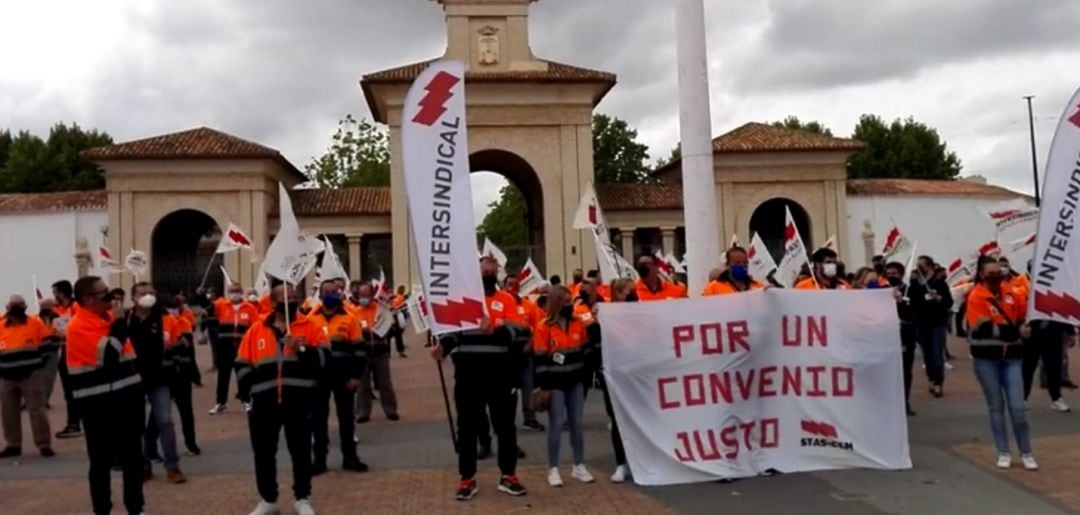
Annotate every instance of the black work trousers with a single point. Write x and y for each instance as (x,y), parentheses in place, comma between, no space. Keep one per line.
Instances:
(470,400)
(224,357)
(65,384)
(344,400)
(113,427)
(616,437)
(907,339)
(1044,345)
(265,423)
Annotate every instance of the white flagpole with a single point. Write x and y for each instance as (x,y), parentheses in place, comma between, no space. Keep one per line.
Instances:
(695,124)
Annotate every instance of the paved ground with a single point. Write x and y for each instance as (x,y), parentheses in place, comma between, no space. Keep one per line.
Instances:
(413,467)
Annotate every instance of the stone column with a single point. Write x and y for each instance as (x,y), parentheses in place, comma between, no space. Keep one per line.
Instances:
(354,254)
(868,241)
(668,236)
(82,257)
(626,235)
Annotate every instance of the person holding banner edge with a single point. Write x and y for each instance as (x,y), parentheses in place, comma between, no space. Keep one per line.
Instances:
(894,274)
(996,324)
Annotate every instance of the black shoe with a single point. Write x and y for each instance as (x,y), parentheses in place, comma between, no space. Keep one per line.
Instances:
(363,420)
(393,417)
(10,452)
(910,412)
(466,490)
(521,453)
(318,468)
(1069,384)
(355,465)
(70,432)
(194,450)
(534,426)
(484,452)
(47,452)
(512,486)
(937,391)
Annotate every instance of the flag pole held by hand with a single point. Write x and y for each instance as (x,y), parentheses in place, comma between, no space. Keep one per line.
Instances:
(446,397)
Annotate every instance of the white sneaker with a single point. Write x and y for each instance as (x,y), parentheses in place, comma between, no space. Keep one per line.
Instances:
(1029,462)
(303,507)
(1060,406)
(582,474)
(218,409)
(1004,461)
(246,406)
(620,474)
(554,479)
(949,366)
(266,508)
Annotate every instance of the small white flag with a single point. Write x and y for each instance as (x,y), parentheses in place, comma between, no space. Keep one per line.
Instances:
(761,262)
(136,263)
(491,251)
(233,239)
(794,253)
(588,213)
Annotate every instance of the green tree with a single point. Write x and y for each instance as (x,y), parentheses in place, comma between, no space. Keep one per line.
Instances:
(793,122)
(32,165)
(505,222)
(675,155)
(617,155)
(902,149)
(359,155)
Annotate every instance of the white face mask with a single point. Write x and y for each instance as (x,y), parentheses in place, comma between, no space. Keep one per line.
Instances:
(829,269)
(235,298)
(1004,270)
(174,312)
(147,301)
(253,298)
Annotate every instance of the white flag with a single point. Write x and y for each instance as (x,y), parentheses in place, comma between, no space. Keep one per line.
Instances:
(1021,244)
(136,263)
(761,262)
(676,265)
(292,254)
(898,247)
(1012,213)
(830,243)
(233,239)
(491,251)
(331,265)
(262,284)
(588,213)
(734,241)
(384,321)
(1055,274)
(435,152)
(105,258)
(418,312)
(529,279)
(794,253)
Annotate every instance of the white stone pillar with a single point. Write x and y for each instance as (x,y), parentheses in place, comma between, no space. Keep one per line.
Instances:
(626,235)
(354,254)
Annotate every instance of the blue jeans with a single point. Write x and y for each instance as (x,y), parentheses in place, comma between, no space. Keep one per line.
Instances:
(572,403)
(931,339)
(1002,383)
(160,400)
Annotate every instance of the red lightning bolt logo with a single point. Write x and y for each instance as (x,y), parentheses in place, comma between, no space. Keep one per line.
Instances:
(1075,118)
(1054,304)
(457,313)
(433,105)
(819,428)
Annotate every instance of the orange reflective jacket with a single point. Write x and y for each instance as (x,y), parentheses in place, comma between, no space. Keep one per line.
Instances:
(810,284)
(667,291)
(560,353)
(98,362)
(271,370)
(234,319)
(503,309)
(719,287)
(20,347)
(994,321)
(348,353)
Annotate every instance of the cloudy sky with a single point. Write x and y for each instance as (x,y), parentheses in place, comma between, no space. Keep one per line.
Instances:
(282,72)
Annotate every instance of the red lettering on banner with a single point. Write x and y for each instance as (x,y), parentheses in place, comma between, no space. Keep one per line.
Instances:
(710,454)
(680,335)
(727,439)
(765,382)
(755,434)
(792,381)
(747,429)
(745,387)
(737,333)
(684,456)
(715,329)
(689,389)
(664,403)
(720,386)
(815,374)
(770,433)
(847,374)
(712,336)
(816,331)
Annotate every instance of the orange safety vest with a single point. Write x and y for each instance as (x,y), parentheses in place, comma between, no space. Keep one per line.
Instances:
(20,347)
(268,369)
(984,307)
(560,355)
(810,284)
(667,291)
(343,330)
(234,319)
(719,287)
(98,362)
(503,309)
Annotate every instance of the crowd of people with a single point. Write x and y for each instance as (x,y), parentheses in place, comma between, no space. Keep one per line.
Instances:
(123,366)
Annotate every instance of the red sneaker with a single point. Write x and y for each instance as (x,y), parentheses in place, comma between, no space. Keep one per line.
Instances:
(466,490)
(512,486)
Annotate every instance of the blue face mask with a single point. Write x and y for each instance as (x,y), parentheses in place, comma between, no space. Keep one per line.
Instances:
(331,301)
(873,285)
(740,273)
(364,301)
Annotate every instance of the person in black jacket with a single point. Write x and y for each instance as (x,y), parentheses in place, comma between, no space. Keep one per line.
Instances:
(931,301)
(894,273)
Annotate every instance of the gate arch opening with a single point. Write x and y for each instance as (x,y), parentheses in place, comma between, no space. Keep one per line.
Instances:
(768,221)
(523,237)
(182,245)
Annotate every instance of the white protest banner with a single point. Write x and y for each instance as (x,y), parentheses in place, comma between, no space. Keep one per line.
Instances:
(761,262)
(1055,273)
(734,385)
(1012,213)
(292,254)
(529,279)
(794,253)
(435,151)
(233,239)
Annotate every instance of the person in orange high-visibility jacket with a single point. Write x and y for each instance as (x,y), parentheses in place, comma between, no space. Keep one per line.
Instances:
(347,362)
(825,273)
(736,278)
(105,385)
(280,363)
(529,315)
(21,375)
(996,324)
(650,286)
(1017,280)
(376,375)
(234,316)
(561,372)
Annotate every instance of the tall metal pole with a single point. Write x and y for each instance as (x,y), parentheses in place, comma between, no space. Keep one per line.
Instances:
(1034,159)
(695,127)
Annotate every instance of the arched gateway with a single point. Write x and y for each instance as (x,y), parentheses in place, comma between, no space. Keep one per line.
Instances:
(538,112)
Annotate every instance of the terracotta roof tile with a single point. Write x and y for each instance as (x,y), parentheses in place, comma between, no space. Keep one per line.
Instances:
(760,137)
(344,201)
(558,72)
(200,143)
(61,201)
(633,197)
(901,187)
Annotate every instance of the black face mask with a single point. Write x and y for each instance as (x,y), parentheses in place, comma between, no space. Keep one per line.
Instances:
(879,269)
(47,314)
(631,297)
(490,282)
(577,279)
(895,281)
(292,308)
(566,312)
(643,270)
(17,312)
